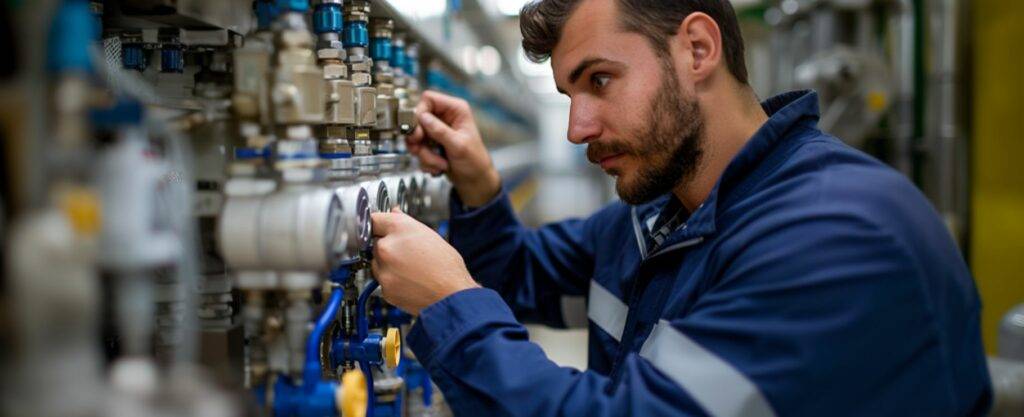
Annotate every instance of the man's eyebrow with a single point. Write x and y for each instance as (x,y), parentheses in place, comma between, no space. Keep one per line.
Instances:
(582,66)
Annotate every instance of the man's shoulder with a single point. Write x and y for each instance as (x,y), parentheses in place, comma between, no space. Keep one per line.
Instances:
(824,172)
(820,177)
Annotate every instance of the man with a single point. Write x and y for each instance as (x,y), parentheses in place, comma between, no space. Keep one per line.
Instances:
(755,266)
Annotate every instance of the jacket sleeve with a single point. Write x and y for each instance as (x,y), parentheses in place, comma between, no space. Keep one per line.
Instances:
(532,269)
(812,317)
(483,362)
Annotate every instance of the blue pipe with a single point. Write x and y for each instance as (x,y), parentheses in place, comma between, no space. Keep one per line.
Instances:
(362,322)
(415,376)
(343,271)
(371,398)
(362,330)
(311,372)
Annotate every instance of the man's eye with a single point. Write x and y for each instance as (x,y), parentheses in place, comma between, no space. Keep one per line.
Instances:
(599,81)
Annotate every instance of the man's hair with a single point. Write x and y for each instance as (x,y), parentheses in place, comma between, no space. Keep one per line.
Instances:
(542,21)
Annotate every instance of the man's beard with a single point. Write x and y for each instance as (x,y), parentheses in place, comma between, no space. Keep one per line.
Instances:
(669,146)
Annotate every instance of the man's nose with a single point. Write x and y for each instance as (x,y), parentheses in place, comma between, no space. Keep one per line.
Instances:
(583,123)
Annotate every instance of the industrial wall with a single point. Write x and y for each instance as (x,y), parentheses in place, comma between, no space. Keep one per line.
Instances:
(997,247)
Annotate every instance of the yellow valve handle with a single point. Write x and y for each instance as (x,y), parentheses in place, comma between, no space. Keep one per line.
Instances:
(392,348)
(351,398)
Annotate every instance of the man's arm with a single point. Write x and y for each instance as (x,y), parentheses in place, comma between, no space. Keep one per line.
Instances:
(816,315)
(532,269)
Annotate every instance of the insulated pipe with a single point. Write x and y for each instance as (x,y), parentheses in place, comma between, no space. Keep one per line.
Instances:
(312,372)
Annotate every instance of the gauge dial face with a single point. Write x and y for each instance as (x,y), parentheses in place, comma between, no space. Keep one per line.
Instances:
(414,197)
(334,234)
(403,197)
(383,199)
(362,213)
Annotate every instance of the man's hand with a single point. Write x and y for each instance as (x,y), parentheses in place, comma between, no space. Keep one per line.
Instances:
(449,122)
(413,264)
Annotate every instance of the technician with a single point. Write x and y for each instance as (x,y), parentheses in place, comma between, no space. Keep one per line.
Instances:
(755,266)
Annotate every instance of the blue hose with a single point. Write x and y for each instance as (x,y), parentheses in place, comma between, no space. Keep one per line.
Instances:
(312,371)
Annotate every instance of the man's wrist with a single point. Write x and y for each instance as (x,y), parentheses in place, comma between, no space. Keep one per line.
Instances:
(448,290)
(476,193)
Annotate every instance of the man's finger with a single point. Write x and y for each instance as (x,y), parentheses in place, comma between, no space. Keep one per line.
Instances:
(375,264)
(416,136)
(438,130)
(430,160)
(384,223)
(447,107)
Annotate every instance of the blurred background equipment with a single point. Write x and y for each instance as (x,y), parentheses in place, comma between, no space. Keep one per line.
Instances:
(187,192)
(186,184)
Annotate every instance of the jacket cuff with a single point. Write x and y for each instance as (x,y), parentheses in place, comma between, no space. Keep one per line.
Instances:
(460,209)
(472,226)
(441,325)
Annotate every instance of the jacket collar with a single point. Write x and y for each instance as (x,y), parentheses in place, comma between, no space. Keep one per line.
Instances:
(785,112)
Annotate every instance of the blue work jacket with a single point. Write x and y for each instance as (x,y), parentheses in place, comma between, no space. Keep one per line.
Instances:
(813,281)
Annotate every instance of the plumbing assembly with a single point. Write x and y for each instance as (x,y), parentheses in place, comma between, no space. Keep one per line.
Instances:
(212,171)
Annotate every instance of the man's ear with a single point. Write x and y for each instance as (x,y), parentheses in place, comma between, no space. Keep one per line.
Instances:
(699,41)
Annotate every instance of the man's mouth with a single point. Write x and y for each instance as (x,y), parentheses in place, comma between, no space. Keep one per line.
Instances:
(607,162)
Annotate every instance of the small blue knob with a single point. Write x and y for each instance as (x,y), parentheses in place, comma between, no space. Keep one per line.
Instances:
(300,6)
(132,57)
(356,35)
(327,18)
(398,57)
(125,112)
(172,59)
(266,12)
(381,49)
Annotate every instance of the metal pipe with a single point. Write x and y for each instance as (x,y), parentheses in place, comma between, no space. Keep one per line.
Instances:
(902,26)
(135,311)
(944,127)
